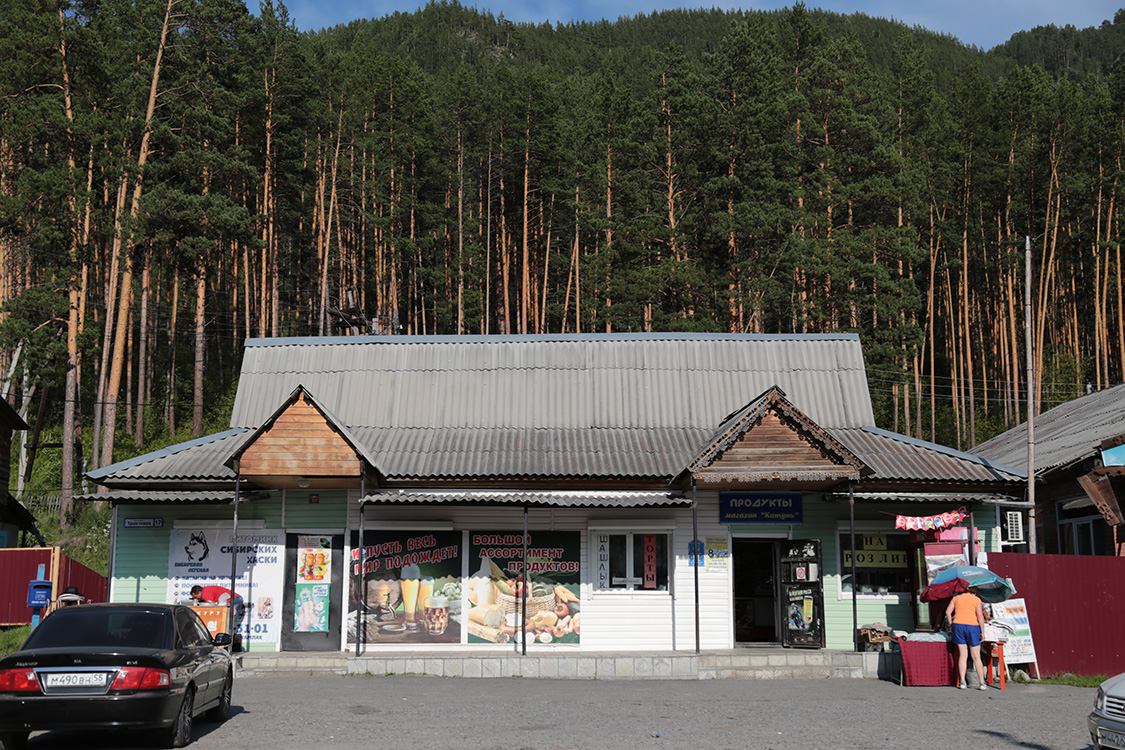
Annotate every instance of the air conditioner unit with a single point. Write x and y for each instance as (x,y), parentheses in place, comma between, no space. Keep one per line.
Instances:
(1015,526)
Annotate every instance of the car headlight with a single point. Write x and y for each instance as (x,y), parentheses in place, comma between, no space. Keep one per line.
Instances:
(1099,702)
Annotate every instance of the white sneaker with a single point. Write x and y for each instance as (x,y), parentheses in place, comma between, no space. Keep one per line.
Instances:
(983,686)
(962,686)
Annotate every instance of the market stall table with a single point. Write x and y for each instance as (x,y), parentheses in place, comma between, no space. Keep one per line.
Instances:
(926,663)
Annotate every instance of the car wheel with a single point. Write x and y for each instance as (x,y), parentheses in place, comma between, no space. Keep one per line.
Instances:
(221,712)
(13,741)
(179,734)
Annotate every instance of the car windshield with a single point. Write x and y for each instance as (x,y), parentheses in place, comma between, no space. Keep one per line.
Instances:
(91,627)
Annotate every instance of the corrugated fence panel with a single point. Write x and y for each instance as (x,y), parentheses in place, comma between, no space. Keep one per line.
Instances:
(17,567)
(90,584)
(1075,607)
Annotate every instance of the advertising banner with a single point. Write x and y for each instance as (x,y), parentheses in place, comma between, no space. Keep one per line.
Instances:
(550,611)
(407,587)
(314,576)
(203,557)
(1019,649)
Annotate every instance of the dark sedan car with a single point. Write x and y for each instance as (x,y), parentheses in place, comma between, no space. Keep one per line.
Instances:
(115,666)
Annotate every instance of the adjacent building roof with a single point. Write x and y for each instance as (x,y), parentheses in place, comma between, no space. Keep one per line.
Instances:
(1065,435)
(9,417)
(14,512)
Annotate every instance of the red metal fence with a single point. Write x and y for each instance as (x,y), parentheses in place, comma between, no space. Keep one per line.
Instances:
(1075,607)
(18,566)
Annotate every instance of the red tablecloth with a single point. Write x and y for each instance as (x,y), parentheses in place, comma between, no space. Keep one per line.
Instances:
(927,662)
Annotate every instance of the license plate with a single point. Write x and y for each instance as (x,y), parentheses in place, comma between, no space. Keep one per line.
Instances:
(76,679)
(1111,739)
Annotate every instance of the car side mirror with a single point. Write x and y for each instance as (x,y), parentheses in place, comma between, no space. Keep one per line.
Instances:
(223,639)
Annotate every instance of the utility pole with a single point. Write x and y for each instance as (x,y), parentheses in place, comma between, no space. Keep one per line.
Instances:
(1032,401)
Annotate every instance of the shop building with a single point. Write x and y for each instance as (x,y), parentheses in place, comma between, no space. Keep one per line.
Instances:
(593,492)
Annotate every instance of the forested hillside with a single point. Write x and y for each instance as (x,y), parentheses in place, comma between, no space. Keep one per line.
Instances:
(179,175)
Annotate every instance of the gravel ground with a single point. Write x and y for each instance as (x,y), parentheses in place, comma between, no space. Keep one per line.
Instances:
(420,713)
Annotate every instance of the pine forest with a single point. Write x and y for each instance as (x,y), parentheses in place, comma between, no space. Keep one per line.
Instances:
(177,176)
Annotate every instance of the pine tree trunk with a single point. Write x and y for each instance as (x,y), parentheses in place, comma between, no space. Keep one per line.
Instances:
(460,232)
(123,243)
(525,260)
(143,363)
(200,347)
(170,414)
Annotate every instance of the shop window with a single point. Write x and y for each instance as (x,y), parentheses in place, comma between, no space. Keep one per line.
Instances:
(631,560)
(882,563)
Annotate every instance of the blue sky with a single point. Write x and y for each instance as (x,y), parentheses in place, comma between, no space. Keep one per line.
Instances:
(984,23)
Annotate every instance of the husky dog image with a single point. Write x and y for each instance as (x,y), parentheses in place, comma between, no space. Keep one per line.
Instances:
(197,545)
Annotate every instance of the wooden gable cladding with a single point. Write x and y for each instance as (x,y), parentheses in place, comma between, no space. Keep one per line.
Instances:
(776,451)
(300,443)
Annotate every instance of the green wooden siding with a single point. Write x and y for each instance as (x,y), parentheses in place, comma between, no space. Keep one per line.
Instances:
(140,570)
(329,512)
(820,522)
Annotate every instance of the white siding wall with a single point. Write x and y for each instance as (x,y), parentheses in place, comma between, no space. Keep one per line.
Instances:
(716,618)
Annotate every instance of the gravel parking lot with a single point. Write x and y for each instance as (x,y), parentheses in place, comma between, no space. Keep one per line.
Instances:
(419,713)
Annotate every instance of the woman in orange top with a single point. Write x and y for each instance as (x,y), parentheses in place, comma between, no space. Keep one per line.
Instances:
(967,616)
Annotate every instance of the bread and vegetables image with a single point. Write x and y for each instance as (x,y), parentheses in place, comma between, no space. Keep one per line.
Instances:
(550,610)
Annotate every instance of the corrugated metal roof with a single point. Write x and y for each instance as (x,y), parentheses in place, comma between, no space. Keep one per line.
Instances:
(988,498)
(517,452)
(165,496)
(624,406)
(196,460)
(1068,433)
(565,382)
(585,499)
(891,456)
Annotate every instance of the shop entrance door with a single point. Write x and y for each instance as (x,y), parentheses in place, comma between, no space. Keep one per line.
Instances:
(754,562)
(311,614)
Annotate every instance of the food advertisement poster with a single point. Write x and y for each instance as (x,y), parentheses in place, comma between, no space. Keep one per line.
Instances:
(203,556)
(1019,649)
(405,587)
(498,583)
(314,577)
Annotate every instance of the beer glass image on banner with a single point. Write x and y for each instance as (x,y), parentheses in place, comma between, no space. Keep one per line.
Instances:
(406,587)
